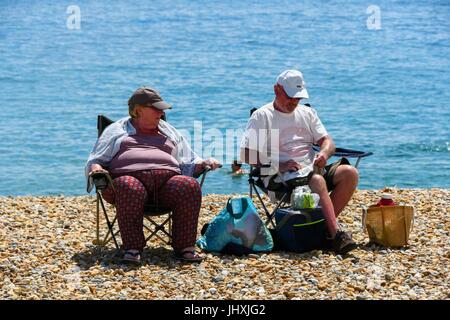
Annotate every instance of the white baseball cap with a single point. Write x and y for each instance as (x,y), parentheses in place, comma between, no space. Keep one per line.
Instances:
(293,84)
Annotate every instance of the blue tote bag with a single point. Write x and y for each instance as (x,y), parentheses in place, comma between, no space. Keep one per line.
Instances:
(237,229)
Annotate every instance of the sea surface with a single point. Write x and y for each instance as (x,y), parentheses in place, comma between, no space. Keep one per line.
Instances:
(379,85)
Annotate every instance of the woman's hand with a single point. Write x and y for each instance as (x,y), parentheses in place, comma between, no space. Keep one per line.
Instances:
(212,163)
(96,168)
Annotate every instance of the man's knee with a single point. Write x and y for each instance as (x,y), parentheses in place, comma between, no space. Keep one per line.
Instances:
(317,183)
(346,173)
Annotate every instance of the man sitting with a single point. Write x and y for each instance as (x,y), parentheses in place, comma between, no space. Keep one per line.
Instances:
(282,133)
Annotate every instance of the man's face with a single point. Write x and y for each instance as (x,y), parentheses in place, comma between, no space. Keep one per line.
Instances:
(283,102)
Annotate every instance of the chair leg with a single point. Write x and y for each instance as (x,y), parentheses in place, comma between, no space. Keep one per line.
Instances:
(160,228)
(268,214)
(272,214)
(357,162)
(97,217)
(170,229)
(110,238)
(108,223)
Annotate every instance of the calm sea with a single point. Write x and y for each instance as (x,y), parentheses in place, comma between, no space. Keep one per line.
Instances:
(378,77)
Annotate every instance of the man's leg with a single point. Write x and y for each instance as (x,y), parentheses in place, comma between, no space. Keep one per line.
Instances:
(342,242)
(318,185)
(345,180)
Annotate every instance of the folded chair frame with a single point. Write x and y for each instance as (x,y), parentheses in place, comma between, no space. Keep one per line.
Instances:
(285,201)
(155,229)
(340,152)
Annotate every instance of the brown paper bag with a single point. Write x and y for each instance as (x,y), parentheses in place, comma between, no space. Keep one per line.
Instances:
(389,226)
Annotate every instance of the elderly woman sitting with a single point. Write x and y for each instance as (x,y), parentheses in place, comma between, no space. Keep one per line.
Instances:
(149,159)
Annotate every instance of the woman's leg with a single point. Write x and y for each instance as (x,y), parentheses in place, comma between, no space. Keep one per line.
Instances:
(183,195)
(130,196)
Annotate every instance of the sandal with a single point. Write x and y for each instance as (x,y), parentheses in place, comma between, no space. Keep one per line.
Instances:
(189,255)
(132,256)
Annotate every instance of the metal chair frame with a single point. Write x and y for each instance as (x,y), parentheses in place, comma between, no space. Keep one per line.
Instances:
(102,181)
(284,202)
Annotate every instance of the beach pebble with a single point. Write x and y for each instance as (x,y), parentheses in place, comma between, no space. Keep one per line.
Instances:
(218,279)
(213,290)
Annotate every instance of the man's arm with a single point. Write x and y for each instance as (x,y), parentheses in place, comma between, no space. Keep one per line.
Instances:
(251,157)
(327,149)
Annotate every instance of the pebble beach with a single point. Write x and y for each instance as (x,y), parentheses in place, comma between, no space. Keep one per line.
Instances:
(47,252)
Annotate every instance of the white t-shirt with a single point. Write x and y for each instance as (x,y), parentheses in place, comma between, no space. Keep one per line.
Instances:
(288,135)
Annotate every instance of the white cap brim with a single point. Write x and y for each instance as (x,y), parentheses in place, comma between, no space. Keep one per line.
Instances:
(296,92)
(161,105)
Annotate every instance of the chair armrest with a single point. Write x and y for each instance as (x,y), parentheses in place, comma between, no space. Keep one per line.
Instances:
(204,172)
(101,180)
(348,153)
(203,175)
(255,171)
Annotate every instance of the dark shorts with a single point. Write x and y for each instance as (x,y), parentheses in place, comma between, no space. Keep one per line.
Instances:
(327,172)
(330,171)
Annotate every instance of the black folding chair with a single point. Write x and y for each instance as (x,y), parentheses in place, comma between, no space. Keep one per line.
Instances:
(284,192)
(161,230)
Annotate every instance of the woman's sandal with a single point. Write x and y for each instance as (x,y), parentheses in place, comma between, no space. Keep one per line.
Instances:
(133,256)
(189,255)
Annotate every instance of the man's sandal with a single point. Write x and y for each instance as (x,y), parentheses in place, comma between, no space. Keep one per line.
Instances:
(132,256)
(188,255)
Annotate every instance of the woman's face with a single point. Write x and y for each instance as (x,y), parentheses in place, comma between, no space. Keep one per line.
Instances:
(148,117)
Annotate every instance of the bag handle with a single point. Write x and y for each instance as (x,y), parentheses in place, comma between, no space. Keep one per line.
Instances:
(411,227)
(364,217)
(234,212)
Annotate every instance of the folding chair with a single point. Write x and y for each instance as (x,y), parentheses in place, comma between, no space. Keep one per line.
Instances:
(161,230)
(284,192)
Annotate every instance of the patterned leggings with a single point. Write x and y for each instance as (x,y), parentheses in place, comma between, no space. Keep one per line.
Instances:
(179,193)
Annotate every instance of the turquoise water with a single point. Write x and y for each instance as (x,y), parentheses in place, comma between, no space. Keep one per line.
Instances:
(385,91)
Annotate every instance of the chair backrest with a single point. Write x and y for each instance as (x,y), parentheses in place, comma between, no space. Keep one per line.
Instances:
(103,122)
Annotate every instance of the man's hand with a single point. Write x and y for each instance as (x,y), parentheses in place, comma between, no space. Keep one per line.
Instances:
(327,149)
(291,165)
(321,160)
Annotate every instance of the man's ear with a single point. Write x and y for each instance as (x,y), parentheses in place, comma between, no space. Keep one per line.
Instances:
(276,89)
(137,111)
